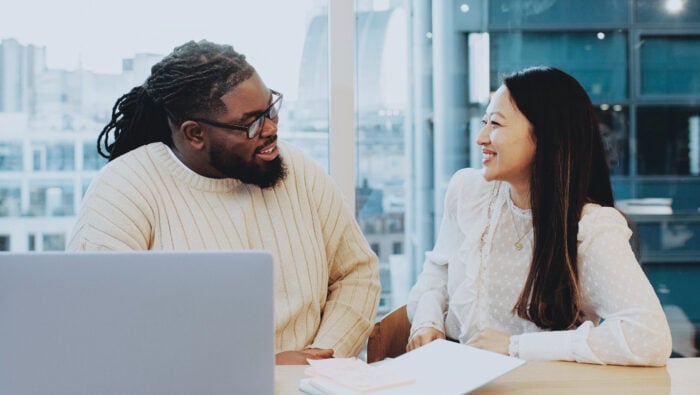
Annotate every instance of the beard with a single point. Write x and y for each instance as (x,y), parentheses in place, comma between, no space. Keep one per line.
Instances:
(266,175)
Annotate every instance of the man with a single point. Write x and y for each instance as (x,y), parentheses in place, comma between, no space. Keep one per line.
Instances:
(195,164)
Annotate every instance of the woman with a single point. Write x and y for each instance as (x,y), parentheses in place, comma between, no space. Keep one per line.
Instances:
(531,254)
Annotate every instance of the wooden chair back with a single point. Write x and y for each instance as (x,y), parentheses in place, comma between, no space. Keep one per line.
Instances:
(389,336)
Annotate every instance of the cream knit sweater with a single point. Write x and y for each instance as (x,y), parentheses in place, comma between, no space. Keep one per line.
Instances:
(326,276)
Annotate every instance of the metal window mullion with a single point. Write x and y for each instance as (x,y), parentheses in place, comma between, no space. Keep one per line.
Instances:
(341,116)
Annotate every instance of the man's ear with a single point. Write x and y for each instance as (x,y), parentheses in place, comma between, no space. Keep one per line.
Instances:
(193,134)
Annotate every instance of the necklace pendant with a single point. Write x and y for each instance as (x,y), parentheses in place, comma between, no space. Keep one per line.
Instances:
(518,245)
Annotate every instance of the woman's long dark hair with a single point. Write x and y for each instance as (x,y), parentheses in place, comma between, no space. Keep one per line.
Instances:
(188,82)
(569,170)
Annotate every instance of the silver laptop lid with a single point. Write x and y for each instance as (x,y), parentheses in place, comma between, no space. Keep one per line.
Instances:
(133,322)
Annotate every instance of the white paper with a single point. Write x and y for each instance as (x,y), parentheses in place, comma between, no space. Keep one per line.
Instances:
(444,367)
(440,367)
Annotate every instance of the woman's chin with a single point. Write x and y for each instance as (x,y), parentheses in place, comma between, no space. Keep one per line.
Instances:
(488,175)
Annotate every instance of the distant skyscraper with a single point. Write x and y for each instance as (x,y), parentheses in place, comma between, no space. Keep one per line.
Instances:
(19,67)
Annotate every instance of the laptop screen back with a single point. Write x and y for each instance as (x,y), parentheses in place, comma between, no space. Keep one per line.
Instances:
(137,322)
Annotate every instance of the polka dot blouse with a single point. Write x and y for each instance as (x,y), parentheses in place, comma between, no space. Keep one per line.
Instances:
(472,279)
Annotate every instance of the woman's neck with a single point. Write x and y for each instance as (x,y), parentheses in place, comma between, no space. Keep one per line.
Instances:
(520,194)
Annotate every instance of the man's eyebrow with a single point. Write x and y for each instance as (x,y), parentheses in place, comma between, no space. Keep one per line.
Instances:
(257,112)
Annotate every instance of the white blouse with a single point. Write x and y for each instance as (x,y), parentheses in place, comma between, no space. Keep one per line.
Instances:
(465,288)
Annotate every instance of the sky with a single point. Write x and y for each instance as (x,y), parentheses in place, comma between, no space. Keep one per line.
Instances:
(98,34)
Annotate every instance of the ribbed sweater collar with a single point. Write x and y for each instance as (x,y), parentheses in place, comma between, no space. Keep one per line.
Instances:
(170,164)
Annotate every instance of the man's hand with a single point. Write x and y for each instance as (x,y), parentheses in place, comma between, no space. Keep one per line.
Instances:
(491,340)
(300,357)
(422,337)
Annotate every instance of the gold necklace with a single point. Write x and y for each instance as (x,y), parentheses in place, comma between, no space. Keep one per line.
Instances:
(519,242)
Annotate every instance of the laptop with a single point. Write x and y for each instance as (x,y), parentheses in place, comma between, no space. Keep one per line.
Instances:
(137,322)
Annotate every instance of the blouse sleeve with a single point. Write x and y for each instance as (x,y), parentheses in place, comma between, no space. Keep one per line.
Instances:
(634,330)
(427,301)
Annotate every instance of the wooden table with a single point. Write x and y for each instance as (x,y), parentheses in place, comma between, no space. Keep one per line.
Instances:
(680,376)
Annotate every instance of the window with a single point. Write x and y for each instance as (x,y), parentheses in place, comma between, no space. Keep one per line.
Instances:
(53,156)
(9,198)
(614,127)
(600,64)
(669,140)
(382,112)
(667,13)
(518,13)
(54,242)
(61,72)
(10,156)
(669,65)
(91,159)
(40,241)
(50,198)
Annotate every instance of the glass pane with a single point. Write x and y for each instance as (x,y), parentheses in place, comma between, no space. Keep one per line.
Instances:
(307,125)
(51,198)
(91,159)
(614,127)
(668,140)
(670,65)
(54,242)
(52,156)
(667,12)
(597,59)
(663,237)
(516,13)
(60,156)
(10,156)
(683,194)
(382,82)
(10,198)
(676,285)
(4,243)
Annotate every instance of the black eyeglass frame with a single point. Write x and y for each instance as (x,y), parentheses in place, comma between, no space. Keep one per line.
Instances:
(259,121)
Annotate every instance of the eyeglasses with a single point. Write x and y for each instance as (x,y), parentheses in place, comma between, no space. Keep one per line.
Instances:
(254,128)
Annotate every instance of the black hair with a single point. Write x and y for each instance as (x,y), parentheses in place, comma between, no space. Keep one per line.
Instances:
(187,83)
(569,170)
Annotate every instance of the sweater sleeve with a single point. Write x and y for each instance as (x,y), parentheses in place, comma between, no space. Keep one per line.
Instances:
(634,330)
(353,283)
(114,214)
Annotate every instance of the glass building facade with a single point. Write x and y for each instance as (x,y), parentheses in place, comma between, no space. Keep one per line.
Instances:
(637,59)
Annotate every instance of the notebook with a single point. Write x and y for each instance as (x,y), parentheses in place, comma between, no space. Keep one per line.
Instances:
(133,322)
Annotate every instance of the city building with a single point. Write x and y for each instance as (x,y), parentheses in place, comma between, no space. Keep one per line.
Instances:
(48,140)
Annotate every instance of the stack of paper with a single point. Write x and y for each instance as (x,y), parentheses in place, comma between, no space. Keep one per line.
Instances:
(440,367)
(350,375)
